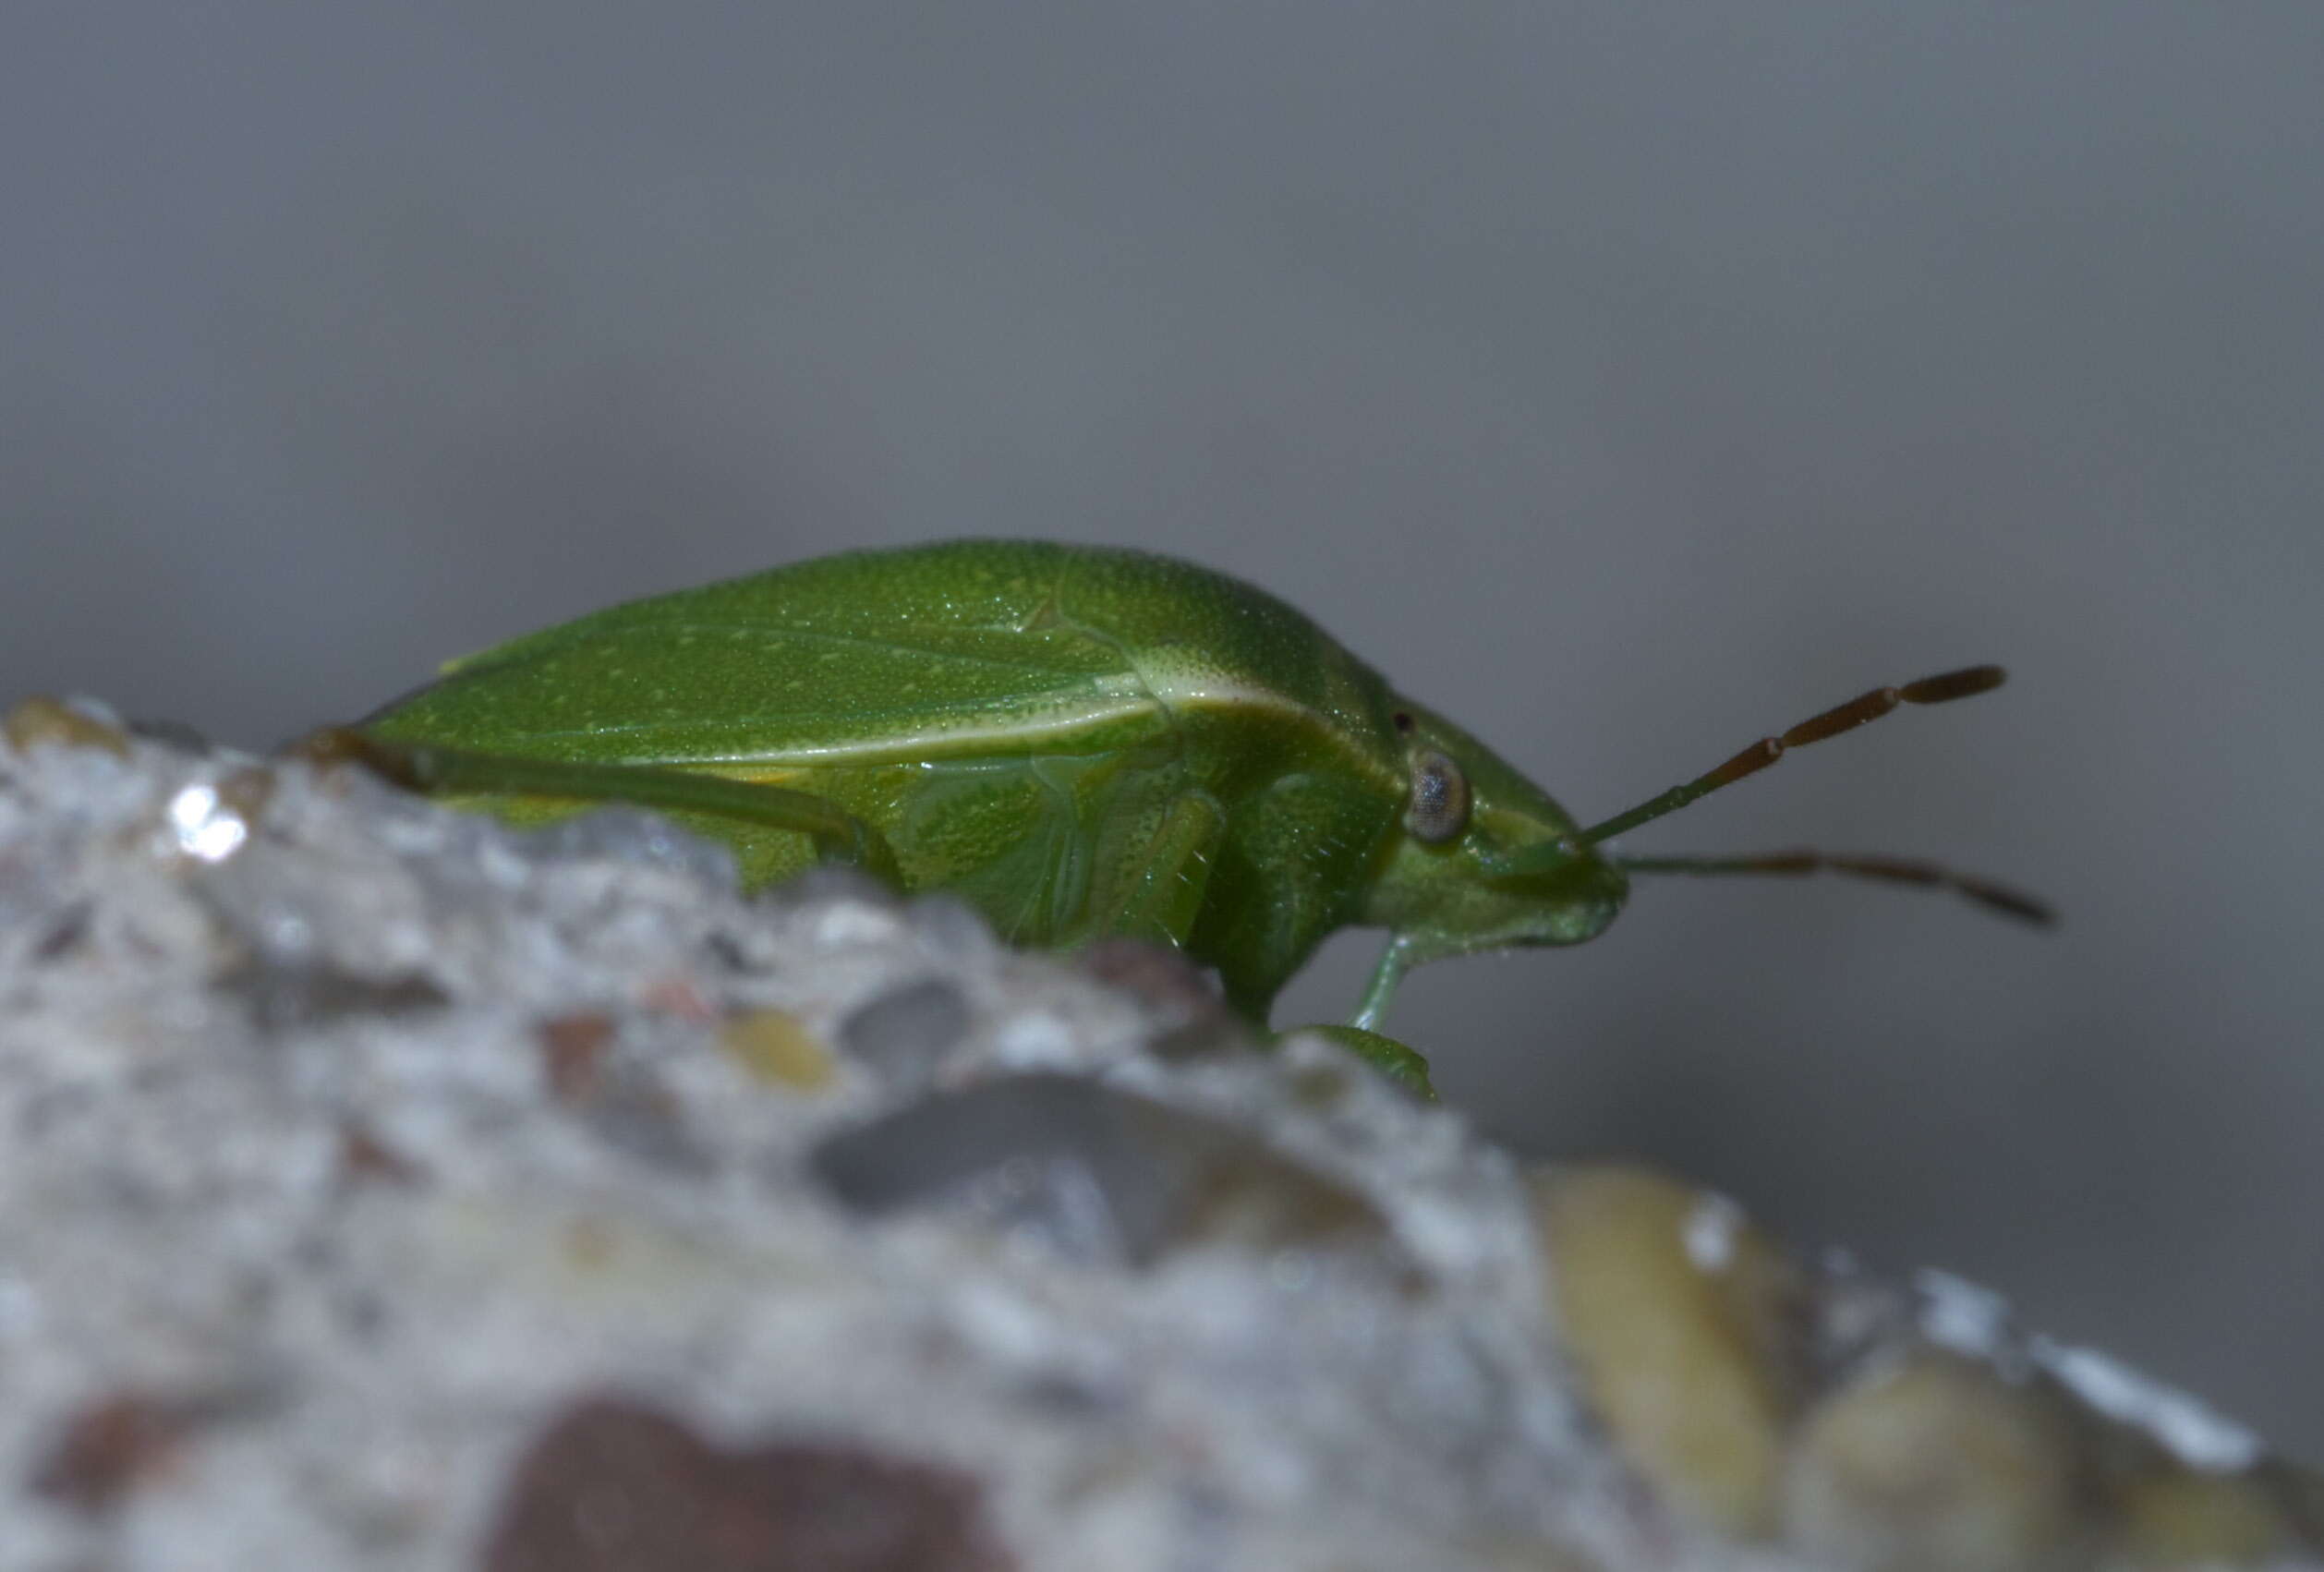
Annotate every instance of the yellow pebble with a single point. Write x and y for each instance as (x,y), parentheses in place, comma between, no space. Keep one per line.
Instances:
(775,1046)
(38,722)
(1674,1310)
(1937,1464)
(2177,1516)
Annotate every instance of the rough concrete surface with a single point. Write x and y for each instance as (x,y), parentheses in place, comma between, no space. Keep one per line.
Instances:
(380,1188)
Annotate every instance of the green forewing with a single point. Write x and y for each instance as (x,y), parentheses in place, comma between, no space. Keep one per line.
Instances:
(936,648)
(1079,740)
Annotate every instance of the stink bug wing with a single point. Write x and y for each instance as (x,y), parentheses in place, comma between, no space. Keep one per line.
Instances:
(940,649)
(989,638)
(1080,741)
(1207,642)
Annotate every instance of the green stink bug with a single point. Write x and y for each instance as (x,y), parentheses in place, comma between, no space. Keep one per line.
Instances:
(1082,741)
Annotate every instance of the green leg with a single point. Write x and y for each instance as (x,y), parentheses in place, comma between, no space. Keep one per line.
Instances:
(1158,891)
(1361,1039)
(1390,1057)
(838,836)
(1393,963)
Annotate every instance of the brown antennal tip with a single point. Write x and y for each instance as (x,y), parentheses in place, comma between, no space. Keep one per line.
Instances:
(1843,716)
(1946,686)
(2007,902)
(1751,761)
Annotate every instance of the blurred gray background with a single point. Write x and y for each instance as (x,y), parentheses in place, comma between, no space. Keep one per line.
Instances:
(1627,381)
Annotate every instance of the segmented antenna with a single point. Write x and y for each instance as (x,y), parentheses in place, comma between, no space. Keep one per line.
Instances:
(1861,710)
(1893,870)
(1942,688)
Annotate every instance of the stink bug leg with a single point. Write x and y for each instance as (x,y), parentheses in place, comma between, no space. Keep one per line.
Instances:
(1390,1057)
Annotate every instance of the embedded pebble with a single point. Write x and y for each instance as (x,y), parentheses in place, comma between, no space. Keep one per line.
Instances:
(613,1486)
(775,1046)
(903,1035)
(1936,1463)
(1097,1173)
(1676,1311)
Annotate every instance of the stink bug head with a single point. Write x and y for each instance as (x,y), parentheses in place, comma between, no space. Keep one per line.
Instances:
(1496,868)
(1518,871)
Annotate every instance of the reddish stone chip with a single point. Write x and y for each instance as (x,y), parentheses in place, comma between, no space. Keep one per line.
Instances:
(616,1487)
(364,1157)
(572,1048)
(108,1447)
(1162,978)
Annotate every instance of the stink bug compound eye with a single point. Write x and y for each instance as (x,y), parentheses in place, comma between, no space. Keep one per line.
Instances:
(1440,809)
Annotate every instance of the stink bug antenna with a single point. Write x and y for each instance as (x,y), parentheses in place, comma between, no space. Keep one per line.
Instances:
(1942,688)
(1861,710)
(1893,870)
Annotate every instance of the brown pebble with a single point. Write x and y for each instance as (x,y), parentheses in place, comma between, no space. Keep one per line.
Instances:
(679,997)
(365,1158)
(572,1052)
(1162,978)
(615,1486)
(109,1447)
